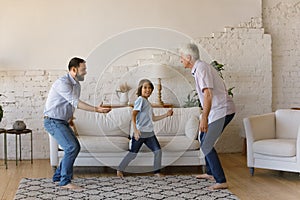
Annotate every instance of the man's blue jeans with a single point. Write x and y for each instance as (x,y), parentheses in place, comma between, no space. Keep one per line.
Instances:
(65,137)
(208,140)
(151,143)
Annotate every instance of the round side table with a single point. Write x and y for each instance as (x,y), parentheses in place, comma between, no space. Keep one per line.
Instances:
(5,148)
(19,133)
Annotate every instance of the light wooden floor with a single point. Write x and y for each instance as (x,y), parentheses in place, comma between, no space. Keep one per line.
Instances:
(265,184)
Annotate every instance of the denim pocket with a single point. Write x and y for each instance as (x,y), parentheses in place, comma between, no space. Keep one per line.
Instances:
(48,126)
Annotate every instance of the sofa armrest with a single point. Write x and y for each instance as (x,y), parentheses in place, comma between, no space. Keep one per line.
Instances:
(257,128)
(53,151)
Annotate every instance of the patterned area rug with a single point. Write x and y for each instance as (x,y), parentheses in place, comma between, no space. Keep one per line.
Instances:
(131,187)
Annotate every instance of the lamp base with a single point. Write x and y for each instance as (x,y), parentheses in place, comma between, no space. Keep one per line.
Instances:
(159,87)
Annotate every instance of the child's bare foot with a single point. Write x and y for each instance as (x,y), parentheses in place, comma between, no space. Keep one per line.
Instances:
(120,174)
(205,176)
(72,186)
(159,175)
(218,186)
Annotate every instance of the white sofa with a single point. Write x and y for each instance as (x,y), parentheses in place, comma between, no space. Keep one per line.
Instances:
(105,138)
(273,140)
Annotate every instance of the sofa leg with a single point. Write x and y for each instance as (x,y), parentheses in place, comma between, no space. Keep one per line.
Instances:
(203,169)
(54,168)
(251,169)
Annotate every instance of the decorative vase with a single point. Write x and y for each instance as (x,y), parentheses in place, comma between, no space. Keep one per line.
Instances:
(123,97)
(19,125)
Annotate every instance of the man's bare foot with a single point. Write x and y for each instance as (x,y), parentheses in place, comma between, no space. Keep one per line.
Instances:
(159,175)
(120,174)
(72,186)
(205,176)
(218,186)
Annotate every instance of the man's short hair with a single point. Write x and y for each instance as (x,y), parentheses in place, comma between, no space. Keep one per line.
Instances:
(74,62)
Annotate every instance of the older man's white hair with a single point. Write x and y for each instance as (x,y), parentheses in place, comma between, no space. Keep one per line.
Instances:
(190,50)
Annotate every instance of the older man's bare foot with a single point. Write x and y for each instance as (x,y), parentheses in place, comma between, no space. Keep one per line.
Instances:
(159,175)
(120,174)
(205,176)
(218,186)
(72,186)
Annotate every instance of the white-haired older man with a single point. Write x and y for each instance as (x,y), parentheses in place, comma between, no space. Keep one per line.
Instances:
(218,111)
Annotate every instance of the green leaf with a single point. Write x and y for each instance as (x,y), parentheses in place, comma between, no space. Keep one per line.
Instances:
(1,113)
(230,91)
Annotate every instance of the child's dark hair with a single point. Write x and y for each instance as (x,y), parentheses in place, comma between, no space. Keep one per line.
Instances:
(141,83)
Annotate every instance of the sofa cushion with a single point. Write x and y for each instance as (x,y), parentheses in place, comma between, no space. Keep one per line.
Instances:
(275,147)
(192,127)
(176,124)
(96,144)
(174,144)
(115,123)
(178,143)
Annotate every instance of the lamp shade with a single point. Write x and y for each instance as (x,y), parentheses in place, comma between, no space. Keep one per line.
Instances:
(158,71)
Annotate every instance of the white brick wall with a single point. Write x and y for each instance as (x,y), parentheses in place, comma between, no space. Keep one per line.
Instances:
(246,53)
(281,20)
(26,92)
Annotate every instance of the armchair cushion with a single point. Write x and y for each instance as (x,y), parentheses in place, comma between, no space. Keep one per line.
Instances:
(275,147)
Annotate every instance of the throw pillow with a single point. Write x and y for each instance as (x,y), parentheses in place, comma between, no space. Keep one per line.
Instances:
(192,128)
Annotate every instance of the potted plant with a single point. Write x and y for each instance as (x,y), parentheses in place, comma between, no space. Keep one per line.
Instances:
(220,67)
(192,100)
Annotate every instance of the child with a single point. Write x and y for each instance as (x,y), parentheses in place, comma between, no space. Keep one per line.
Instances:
(142,117)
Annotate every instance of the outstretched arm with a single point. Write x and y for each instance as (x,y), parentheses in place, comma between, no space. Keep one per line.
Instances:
(167,114)
(84,106)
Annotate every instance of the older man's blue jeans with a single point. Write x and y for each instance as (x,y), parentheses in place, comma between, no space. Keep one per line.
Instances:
(65,137)
(213,164)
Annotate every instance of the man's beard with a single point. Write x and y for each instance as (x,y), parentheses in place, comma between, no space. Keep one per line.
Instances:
(79,77)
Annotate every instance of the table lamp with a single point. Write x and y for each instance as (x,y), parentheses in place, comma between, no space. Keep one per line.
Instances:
(158,71)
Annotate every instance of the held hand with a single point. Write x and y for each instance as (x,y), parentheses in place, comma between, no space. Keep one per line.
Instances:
(101,109)
(170,112)
(71,123)
(137,135)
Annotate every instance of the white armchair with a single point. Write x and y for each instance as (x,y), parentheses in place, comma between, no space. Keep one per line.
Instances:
(273,141)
